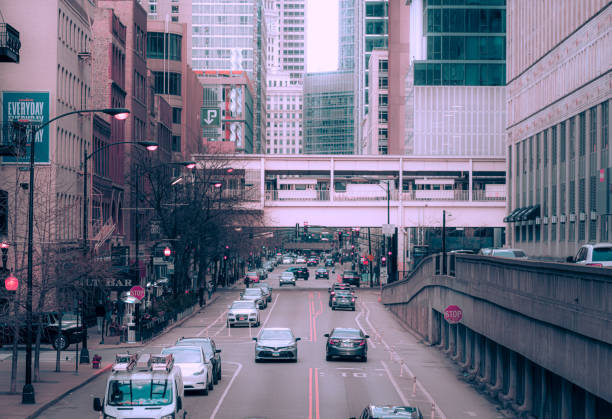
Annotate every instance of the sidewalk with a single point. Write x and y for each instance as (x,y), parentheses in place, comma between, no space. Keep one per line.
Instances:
(52,386)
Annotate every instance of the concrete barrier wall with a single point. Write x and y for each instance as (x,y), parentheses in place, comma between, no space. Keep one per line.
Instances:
(559,316)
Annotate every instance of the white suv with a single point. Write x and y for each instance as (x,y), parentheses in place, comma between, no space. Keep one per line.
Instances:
(598,254)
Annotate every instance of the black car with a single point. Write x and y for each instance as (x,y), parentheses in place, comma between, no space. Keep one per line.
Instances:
(72,330)
(322,273)
(334,288)
(346,342)
(329,262)
(379,412)
(302,272)
(343,299)
(210,352)
(351,277)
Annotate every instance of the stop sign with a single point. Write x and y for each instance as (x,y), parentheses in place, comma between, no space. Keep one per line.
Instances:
(453,314)
(137,291)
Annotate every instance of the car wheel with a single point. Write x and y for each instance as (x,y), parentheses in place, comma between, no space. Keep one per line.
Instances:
(328,357)
(257,360)
(353,309)
(333,308)
(219,374)
(205,392)
(364,358)
(210,386)
(60,342)
(215,379)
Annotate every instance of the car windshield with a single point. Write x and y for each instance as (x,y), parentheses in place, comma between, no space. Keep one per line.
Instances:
(251,274)
(204,344)
(276,335)
(321,270)
(350,273)
(343,293)
(184,356)
(252,292)
(346,333)
(243,304)
(509,253)
(140,392)
(287,275)
(602,254)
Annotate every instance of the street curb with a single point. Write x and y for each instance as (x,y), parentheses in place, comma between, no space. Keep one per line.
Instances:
(52,402)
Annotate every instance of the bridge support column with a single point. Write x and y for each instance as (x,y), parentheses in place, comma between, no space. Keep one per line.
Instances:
(589,405)
(443,335)
(460,342)
(434,327)
(488,361)
(452,340)
(475,372)
(469,336)
(527,405)
(566,399)
(512,375)
(499,372)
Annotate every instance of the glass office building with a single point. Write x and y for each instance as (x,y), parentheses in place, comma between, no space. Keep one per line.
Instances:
(466,43)
(328,113)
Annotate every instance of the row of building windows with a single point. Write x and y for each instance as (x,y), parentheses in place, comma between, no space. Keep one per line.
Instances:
(68,149)
(475,20)
(466,48)
(164,46)
(570,231)
(69,212)
(71,90)
(167,83)
(459,74)
(71,34)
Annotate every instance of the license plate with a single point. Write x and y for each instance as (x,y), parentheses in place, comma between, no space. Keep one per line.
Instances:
(275,353)
(347,345)
(242,318)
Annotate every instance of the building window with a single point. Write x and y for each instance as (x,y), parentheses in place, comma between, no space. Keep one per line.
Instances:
(593,130)
(176,115)
(604,126)
(176,143)
(156,42)
(175,9)
(167,83)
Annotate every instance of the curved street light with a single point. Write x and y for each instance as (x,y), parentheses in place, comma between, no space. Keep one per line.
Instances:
(27,395)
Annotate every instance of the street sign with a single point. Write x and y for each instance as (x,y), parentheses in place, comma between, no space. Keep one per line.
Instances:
(210,117)
(137,292)
(453,314)
(370,258)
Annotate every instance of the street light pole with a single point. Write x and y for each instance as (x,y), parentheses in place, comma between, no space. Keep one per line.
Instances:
(443,242)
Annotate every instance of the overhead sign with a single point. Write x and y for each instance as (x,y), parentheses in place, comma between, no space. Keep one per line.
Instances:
(210,117)
(453,314)
(137,292)
(28,108)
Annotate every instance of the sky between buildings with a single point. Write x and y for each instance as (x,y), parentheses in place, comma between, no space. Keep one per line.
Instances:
(321,35)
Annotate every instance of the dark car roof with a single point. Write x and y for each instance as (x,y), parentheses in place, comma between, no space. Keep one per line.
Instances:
(346,332)
(351,273)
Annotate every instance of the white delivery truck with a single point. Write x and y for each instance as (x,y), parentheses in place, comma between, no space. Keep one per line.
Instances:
(145,386)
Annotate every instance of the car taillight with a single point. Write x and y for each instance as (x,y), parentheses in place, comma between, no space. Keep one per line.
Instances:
(362,342)
(599,265)
(352,300)
(334,341)
(333,293)
(334,299)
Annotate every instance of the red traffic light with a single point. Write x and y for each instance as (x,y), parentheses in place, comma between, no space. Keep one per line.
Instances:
(365,262)
(11,283)
(167,252)
(384,259)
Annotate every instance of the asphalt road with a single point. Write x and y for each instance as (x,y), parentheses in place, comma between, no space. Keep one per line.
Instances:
(312,388)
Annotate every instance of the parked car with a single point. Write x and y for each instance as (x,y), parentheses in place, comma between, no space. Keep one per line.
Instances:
(351,277)
(346,342)
(286,278)
(211,352)
(597,254)
(72,330)
(243,312)
(322,273)
(508,253)
(276,343)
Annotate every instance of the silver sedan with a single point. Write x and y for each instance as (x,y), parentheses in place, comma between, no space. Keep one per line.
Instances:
(276,343)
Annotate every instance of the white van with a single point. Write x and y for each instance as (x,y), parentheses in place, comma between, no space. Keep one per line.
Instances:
(149,386)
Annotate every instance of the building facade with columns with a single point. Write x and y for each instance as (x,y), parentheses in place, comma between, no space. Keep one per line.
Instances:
(559,86)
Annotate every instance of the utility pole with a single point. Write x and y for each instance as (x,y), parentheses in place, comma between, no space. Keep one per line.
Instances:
(443,242)
(370,261)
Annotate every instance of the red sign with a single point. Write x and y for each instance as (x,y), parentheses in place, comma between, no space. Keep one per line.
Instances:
(602,175)
(453,314)
(137,292)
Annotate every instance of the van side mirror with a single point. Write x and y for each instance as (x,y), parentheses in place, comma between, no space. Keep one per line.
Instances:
(97,404)
(255,339)
(218,351)
(179,403)
(569,259)
(296,339)
(326,335)
(367,336)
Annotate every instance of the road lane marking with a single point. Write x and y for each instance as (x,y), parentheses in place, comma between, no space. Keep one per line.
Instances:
(364,308)
(397,389)
(229,385)
(317,392)
(271,310)
(419,385)
(211,325)
(309,393)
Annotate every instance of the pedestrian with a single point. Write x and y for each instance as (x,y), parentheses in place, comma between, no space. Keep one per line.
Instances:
(100,316)
(209,287)
(247,281)
(107,318)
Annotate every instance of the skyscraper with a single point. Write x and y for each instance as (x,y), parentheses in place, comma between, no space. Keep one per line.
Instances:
(286,43)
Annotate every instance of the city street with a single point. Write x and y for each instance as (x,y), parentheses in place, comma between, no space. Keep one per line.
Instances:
(312,387)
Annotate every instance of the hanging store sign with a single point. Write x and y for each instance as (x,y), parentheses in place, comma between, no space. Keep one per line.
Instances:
(28,108)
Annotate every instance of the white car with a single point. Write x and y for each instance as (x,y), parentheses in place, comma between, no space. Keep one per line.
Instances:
(286,278)
(287,260)
(300,259)
(243,312)
(197,372)
(598,254)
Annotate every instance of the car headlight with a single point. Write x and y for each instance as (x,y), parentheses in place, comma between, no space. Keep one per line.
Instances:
(170,416)
(260,348)
(253,314)
(112,417)
(200,372)
(291,348)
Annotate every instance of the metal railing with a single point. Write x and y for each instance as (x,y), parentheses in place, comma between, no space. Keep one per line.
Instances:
(394,195)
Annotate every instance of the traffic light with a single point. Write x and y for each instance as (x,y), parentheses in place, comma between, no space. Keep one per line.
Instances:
(340,238)
(297,230)
(383,261)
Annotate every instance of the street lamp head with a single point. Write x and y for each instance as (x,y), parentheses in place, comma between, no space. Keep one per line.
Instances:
(4,245)
(189,164)
(167,252)
(11,283)
(149,145)
(217,184)
(117,113)
(230,170)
